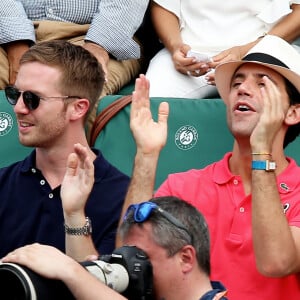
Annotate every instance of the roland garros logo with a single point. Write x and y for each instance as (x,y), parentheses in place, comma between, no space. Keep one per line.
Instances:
(6,123)
(186,137)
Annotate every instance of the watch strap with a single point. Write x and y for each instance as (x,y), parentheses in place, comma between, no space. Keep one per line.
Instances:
(86,229)
(266,165)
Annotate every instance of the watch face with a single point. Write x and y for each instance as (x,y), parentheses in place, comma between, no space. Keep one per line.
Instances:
(89,225)
(272,165)
(87,228)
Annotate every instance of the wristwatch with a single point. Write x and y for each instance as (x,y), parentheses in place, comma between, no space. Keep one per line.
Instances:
(86,229)
(267,165)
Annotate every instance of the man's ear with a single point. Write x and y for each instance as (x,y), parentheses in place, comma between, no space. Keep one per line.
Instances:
(188,258)
(79,108)
(293,115)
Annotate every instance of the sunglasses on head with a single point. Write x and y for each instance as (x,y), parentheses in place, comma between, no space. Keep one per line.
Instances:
(142,212)
(30,99)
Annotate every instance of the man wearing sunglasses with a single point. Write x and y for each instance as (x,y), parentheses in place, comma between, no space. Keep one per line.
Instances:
(172,233)
(57,86)
(106,30)
(250,198)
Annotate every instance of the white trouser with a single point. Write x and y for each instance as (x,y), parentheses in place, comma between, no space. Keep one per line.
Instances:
(166,81)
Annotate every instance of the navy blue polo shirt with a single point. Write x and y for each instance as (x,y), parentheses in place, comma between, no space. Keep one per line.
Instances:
(30,211)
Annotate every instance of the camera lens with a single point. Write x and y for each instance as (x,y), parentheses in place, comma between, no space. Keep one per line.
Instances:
(13,283)
(20,283)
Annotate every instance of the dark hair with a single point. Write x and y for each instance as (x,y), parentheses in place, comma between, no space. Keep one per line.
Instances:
(294,130)
(172,238)
(82,75)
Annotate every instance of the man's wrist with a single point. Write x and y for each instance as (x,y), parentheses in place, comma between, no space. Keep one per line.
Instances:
(86,229)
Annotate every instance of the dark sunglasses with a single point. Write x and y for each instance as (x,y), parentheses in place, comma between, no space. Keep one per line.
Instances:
(30,99)
(142,211)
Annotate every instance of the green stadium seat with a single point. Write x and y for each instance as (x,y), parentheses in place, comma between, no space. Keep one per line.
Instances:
(197,136)
(10,148)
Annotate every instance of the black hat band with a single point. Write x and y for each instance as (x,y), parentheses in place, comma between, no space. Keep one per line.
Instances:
(264,58)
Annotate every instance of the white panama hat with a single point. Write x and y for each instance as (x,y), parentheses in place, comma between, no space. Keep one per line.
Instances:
(272,52)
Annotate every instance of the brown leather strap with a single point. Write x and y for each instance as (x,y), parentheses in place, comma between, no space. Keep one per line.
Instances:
(106,114)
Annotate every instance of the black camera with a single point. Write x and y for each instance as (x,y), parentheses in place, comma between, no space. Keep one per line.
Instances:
(127,270)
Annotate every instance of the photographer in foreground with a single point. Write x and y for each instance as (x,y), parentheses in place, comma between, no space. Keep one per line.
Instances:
(172,233)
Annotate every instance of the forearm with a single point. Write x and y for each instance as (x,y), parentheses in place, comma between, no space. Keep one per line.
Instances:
(14,23)
(150,138)
(167,27)
(85,286)
(274,246)
(289,27)
(114,26)
(142,183)
(78,246)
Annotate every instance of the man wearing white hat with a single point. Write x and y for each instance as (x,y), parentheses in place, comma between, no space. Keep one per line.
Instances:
(250,198)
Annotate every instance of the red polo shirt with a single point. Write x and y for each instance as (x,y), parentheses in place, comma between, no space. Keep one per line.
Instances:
(220,197)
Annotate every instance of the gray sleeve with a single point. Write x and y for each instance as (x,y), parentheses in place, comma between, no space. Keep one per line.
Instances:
(14,24)
(114,26)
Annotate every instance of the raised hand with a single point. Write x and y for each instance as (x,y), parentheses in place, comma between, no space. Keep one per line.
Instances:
(271,119)
(78,181)
(150,136)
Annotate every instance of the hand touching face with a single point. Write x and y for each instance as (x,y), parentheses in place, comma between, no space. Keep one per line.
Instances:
(258,103)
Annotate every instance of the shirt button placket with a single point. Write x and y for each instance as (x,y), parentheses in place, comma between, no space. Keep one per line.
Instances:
(236,183)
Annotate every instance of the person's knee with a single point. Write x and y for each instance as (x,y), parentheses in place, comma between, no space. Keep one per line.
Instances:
(120,73)
(4,69)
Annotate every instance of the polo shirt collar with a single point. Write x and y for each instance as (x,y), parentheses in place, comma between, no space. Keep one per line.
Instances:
(29,162)
(100,163)
(288,180)
(221,172)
